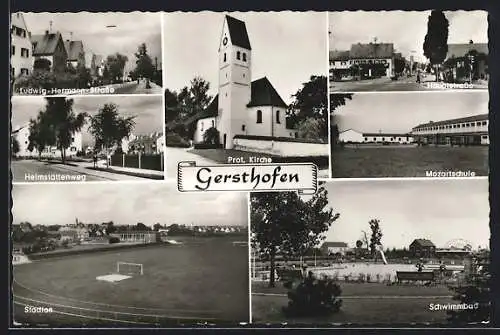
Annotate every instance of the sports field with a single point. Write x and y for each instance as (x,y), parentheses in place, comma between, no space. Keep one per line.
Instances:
(407,161)
(363,304)
(202,280)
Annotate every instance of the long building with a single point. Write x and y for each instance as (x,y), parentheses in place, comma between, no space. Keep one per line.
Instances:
(471,130)
(354,136)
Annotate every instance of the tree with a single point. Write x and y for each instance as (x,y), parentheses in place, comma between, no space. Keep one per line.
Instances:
(359,244)
(283,223)
(310,129)
(436,39)
(144,65)
(108,128)
(375,237)
(157,226)
(83,76)
(14,146)
(115,64)
(310,101)
(211,136)
(336,100)
(399,65)
(56,125)
(42,64)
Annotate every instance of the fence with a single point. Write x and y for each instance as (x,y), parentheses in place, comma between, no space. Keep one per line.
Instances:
(139,161)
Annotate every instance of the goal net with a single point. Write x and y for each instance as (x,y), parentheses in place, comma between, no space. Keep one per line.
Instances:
(129,268)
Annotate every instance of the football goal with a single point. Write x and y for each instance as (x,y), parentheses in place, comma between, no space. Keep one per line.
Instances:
(129,268)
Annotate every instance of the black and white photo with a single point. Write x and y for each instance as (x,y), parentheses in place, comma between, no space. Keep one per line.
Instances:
(413,134)
(86,53)
(408,50)
(128,255)
(246,88)
(79,139)
(373,253)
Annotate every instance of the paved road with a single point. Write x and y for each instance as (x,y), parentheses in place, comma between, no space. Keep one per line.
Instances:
(134,88)
(380,84)
(23,170)
(176,155)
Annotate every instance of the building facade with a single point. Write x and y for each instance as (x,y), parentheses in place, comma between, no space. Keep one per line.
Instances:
(466,61)
(76,53)
(22,135)
(353,136)
(21,56)
(332,248)
(472,130)
(242,106)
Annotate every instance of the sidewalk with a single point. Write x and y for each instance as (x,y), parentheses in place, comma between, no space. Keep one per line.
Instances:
(141,88)
(116,173)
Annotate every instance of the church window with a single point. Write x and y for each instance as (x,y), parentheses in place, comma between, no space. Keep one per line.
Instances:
(238,55)
(277,117)
(225,58)
(213,123)
(201,126)
(243,127)
(259,116)
(244,57)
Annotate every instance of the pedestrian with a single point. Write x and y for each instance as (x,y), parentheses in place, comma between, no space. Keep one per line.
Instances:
(95,159)
(418,77)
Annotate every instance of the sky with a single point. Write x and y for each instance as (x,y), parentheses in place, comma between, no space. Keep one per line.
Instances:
(287,47)
(439,210)
(398,112)
(147,109)
(125,203)
(406,30)
(131,29)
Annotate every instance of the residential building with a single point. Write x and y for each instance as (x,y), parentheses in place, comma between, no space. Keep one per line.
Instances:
(138,236)
(353,136)
(21,56)
(76,53)
(50,46)
(422,248)
(144,143)
(22,134)
(74,234)
(96,66)
(242,106)
(471,130)
(332,248)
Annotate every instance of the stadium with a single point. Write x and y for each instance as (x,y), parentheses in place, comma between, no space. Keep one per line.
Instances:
(198,280)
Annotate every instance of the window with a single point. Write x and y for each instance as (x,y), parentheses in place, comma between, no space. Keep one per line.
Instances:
(72,139)
(478,124)
(238,55)
(201,126)
(243,127)
(366,139)
(244,57)
(485,137)
(12,72)
(383,138)
(25,52)
(25,142)
(399,139)
(277,117)
(213,123)
(374,139)
(13,52)
(484,123)
(259,116)
(225,57)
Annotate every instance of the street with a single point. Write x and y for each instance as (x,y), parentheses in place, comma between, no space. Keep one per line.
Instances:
(134,88)
(28,170)
(386,84)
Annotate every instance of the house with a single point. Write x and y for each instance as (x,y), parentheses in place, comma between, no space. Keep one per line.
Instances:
(354,136)
(50,46)
(422,248)
(332,248)
(96,66)
(21,56)
(144,143)
(21,134)
(76,53)
(242,107)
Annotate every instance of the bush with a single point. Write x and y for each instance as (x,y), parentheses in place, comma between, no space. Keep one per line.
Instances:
(114,239)
(175,140)
(313,297)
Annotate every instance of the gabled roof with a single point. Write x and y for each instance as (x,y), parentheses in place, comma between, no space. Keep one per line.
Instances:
(479,117)
(423,242)
(74,49)
(264,94)
(334,244)
(45,44)
(372,50)
(17,19)
(238,32)
(97,59)
(339,55)
(460,50)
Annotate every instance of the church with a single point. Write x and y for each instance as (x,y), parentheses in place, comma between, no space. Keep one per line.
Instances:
(242,107)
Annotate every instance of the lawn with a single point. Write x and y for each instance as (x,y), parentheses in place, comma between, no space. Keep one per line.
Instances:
(201,279)
(363,304)
(407,161)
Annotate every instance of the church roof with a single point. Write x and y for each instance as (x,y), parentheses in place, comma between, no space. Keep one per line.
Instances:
(45,44)
(264,94)
(238,32)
